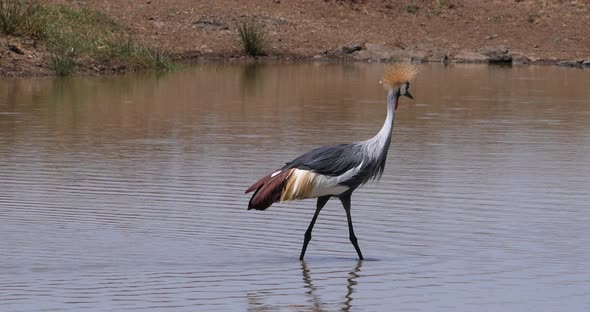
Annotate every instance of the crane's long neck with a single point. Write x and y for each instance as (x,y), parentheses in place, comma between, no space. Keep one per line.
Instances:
(383,137)
(375,148)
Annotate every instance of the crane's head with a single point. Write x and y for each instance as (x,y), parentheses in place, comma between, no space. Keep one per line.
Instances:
(396,79)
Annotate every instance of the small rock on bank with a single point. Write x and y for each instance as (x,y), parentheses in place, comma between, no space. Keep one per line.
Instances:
(496,54)
(16,49)
(470,57)
(574,63)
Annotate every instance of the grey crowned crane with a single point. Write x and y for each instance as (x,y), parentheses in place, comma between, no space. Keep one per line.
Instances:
(336,171)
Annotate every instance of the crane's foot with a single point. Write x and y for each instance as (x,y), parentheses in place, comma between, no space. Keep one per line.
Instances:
(306,240)
(354,242)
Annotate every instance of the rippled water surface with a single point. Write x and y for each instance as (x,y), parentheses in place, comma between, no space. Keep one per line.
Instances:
(127,193)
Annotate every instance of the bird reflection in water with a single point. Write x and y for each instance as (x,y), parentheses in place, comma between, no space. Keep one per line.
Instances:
(312,290)
(315,293)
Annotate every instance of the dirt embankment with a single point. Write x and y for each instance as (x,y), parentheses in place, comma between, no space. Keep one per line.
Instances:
(506,31)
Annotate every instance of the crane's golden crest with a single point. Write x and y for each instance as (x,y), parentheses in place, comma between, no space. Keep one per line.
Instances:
(397,74)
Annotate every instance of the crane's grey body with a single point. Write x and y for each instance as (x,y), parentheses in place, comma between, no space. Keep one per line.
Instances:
(357,162)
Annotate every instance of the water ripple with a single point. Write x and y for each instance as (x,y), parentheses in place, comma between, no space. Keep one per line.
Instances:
(141,205)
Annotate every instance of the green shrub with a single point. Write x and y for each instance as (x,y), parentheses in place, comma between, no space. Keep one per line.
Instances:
(18,16)
(73,34)
(411,8)
(63,63)
(129,51)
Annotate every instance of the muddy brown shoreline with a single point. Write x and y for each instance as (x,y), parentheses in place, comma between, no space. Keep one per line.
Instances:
(451,31)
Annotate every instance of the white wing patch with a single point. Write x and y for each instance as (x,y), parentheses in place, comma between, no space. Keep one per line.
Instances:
(307,184)
(330,185)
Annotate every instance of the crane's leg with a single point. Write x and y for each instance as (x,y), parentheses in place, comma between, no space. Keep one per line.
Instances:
(345,199)
(321,203)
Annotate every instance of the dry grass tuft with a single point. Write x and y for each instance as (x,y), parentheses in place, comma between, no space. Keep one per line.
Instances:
(254,38)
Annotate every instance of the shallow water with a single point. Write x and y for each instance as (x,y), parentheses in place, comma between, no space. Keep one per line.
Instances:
(126,193)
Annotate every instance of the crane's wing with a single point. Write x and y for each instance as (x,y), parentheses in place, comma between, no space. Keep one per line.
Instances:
(297,179)
(329,160)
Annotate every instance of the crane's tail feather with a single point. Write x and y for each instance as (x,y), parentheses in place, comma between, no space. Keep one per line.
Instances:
(267,190)
(282,186)
(258,184)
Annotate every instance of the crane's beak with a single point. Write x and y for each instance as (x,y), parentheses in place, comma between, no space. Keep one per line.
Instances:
(408,94)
